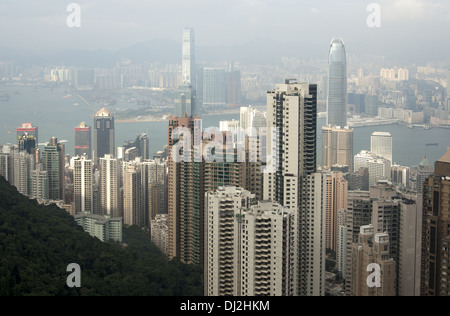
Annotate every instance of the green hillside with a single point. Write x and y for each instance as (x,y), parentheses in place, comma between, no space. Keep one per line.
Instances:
(37,244)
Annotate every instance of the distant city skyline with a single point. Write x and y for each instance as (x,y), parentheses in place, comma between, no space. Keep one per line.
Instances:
(408,28)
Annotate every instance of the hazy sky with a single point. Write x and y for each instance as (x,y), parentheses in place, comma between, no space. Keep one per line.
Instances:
(418,27)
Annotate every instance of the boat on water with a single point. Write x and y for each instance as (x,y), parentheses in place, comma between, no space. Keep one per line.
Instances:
(433,144)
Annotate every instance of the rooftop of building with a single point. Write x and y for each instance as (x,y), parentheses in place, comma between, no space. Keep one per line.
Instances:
(104,112)
(446,157)
(386,134)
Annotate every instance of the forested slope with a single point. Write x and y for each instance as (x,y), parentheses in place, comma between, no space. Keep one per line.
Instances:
(37,243)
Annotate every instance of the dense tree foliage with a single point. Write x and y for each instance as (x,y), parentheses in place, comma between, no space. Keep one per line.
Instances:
(37,243)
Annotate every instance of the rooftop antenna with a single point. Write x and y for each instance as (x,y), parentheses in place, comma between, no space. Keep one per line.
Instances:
(308,77)
(301,70)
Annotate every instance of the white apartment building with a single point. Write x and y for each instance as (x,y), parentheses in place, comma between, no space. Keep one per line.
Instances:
(379,167)
(160,232)
(290,177)
(83,185)
(110,201)
(104,228)
(381,144)
(250,249)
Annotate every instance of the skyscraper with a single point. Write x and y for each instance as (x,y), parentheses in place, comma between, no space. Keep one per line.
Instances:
(410,246)
(424,170)
(232,266)
(29,130)
(337,199)
(39,183)
(110,202)
(133,200)
(359,213)
(381,144)
(53,160)
(214,88)
(379,167)
(27,143)
(291,180)
(337,147)
(372,248)
(104,136)
(188,75)
(7,163)
(337,84)
(190,178)
(233,86)
(132,149)
(185,101)
(178,192)
(371,104)
(436,231)
(250,117)
(23,165)
(83,185)
(83,140)
(292,117)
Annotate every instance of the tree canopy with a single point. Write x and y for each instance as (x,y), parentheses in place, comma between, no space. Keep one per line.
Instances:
(37,243)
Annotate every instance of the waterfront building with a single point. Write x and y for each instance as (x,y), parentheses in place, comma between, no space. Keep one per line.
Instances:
(381,144)
(337,147)
(214,88)
(379,167)
(83,140)
(27,129)
(337,84)
(186,101)
(188,73)
(104,136)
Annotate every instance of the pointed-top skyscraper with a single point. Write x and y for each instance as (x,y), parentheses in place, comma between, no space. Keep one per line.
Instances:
(337,84)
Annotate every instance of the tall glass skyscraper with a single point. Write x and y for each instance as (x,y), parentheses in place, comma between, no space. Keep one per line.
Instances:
(104,142)
(188,62)
(214,88)
(185,101)
(337,84)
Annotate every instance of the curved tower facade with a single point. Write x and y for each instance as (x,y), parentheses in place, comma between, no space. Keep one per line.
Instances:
(337,84)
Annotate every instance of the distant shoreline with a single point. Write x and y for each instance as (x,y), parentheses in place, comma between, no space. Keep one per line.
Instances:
(149,120)
(125,121)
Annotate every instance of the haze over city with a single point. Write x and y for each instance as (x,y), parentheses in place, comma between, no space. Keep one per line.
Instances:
(411,30)
(225,148)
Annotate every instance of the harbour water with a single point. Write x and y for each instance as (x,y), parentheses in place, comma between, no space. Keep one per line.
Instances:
(56,112)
